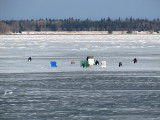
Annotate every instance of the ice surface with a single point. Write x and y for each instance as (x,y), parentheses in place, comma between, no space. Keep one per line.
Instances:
(15,49)
(36,91)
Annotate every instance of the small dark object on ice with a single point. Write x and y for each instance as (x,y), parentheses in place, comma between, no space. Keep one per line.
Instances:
(29,59)
(135,60)
(120,64)
(97,62)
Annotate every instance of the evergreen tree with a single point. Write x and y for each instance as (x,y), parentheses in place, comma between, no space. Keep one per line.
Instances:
(37,28)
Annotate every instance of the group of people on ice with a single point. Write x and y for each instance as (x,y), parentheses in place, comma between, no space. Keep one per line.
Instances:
(96,62)
(134,61)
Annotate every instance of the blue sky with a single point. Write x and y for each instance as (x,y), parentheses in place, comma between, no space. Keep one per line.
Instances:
(80,9)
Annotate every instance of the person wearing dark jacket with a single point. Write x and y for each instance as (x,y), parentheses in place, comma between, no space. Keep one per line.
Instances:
(120,64)
(134,60)
(29,59)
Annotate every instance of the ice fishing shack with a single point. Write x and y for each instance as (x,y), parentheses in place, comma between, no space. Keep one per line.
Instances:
(103,64)
(90,60)
(53,64)
(72,62)
(84,63)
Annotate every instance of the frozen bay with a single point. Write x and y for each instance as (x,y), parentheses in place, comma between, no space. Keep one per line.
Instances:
(34,90)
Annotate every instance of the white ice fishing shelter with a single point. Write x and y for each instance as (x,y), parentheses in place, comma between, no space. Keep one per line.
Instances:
(103,64)
(90,60)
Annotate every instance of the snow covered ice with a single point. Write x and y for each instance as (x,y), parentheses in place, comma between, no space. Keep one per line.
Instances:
(35,90)
(15,51)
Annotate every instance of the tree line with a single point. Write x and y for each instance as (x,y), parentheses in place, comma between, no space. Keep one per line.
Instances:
(71,24)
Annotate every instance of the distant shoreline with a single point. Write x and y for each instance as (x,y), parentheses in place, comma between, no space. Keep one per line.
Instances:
(82,33)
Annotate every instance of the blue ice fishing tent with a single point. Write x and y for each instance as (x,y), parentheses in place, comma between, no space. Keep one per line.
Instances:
(53,64)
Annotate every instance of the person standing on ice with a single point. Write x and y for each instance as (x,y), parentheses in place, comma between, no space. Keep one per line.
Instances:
(29,59)
(83,65)
(120,64)
(135,60)
(96,62)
